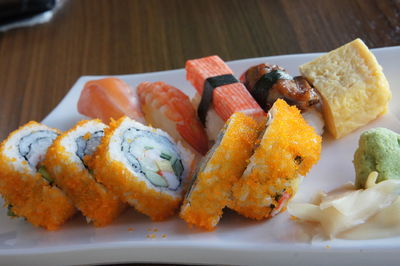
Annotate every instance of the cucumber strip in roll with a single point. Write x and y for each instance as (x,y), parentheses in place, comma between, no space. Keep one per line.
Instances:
(25,184)
(69,160)
(144,166)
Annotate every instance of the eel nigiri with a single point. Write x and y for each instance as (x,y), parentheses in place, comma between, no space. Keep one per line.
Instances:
(267,83)
(168,108)
(109,98)
(220,91)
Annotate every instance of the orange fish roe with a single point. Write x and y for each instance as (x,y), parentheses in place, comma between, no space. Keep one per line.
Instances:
(130,229)
(227,99)
(223,166)
(30,195)
(87,136)
(288,149)
(294,218)
(95,202)
(118,178)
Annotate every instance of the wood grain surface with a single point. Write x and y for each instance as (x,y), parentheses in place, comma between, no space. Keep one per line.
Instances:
(39,64)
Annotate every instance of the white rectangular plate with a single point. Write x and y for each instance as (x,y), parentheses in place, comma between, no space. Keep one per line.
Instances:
(278,241)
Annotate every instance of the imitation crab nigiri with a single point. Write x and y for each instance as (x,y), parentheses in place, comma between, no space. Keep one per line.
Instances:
(168,108)
(109,98)
(221,93)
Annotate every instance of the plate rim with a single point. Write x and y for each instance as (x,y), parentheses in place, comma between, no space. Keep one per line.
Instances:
(35,253)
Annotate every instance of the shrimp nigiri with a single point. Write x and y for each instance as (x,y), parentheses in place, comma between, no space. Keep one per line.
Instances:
(109,98)
(168,108)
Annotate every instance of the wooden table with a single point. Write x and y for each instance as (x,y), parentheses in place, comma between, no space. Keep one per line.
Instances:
(39,64)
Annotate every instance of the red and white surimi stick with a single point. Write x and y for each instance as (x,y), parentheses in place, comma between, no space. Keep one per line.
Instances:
(227,99)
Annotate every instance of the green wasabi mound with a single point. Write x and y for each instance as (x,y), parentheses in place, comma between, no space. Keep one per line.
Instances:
(378,150)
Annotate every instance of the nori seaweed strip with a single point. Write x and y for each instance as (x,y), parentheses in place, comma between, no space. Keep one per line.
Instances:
(204,161)
(207,96)
(10,212)
(264,84)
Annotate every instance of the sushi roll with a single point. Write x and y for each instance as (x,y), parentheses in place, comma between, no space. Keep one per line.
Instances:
(288,148)
(169,109)
(219,170)
(221,93)
(109,98)
(27,188)
(68,160)
(143,166)
(267,83)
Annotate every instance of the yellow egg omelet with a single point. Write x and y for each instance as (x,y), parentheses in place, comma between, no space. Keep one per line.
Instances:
(353,88)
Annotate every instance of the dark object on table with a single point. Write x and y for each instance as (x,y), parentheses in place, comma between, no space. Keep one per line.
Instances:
(14,10)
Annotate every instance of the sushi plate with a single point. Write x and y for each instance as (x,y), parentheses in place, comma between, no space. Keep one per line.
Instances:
(237,241)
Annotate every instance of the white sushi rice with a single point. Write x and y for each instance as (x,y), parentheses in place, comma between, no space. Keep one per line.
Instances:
(314,118)
(40,148)
(117,155)
(69,140)
(214,123)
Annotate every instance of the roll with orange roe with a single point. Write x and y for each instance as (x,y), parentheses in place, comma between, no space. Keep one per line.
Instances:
(144,167)
(288,149)
(219,170)
(67,160)
(28,190)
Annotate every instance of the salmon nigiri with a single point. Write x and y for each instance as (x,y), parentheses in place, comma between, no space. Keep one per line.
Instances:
(109,98)
(221,93)
(168,108)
